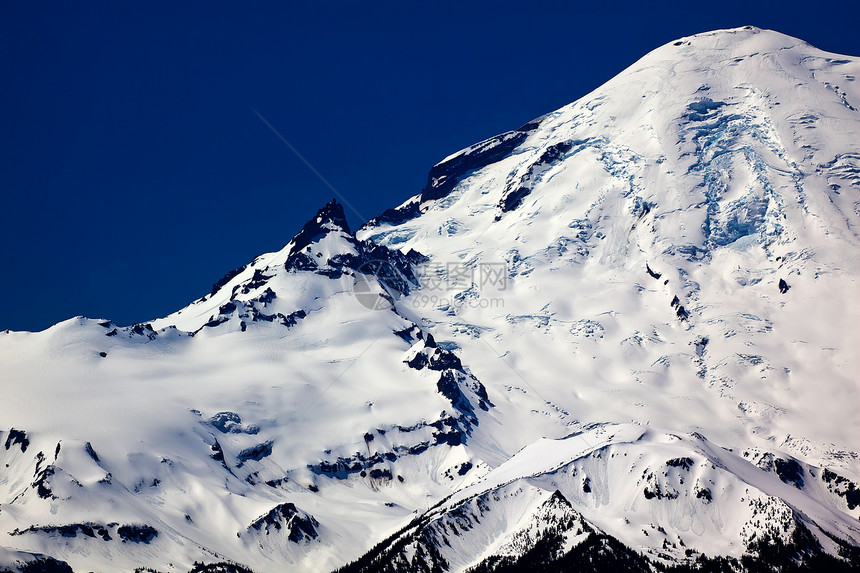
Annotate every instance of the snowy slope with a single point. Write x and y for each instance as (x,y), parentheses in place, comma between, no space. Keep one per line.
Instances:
(625,333)
(288,383)
(723,163)
(669,497)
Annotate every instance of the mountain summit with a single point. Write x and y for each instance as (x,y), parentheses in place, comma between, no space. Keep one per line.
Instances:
(620,337)
(329,218)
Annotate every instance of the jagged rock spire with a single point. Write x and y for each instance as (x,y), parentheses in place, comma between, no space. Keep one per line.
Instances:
(329,218)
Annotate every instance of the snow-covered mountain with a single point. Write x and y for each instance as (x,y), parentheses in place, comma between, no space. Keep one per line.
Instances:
(622,337)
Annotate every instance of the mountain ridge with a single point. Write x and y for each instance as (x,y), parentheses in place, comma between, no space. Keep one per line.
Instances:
(590,338)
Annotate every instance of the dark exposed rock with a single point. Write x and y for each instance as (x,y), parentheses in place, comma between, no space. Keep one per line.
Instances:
(655,490)
(453,438)
(267,297)
(331,215)
(513,199)
(398,215)
(418,361)
(802,552)
(413,257)
(343,467)
(684,463)
(289,320)
(448,385)
(702,345)
(217,453)
(652,273)
(416,547)
(598,552)
(483,399)
(444,360)
(144,330)
(232,423)
(88,529)
(214,322)
(641,208)
(46,564)
(409,335)
(378,473)
(447,431)
(418,449)
(390,268)
(300,262)
(444,176)
(300,527)
(137,533)
(701,110)
(256,281)
(88,448)
(682,313)
(42,482)
(533,124)
(675,301)
(783,286)
(255,453)
(17,437)
(515,193)
(789,471)
(276,482)
(227,278)
(843,487)
(452,376)
(220,567)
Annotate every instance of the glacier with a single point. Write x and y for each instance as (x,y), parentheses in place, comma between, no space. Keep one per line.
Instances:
(622,336)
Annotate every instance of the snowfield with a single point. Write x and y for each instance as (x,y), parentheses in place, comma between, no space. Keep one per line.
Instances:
(625,335)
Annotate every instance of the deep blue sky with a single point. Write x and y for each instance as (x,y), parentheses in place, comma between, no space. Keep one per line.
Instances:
(134,174)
